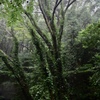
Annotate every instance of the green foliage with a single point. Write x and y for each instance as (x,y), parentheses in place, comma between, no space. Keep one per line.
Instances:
(90,40)
(90,37)
(38,62)
(30,6)
(13,9)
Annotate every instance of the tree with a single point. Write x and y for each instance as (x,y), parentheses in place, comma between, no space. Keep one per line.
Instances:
(48,49)
(89,38)
(88,43)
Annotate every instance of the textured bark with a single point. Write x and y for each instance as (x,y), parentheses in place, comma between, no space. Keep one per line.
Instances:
(40,52)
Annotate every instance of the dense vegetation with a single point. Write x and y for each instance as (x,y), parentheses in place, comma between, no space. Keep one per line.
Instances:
(50,49)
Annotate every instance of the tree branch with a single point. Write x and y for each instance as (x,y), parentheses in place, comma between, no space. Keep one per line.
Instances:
(63,12)
(42,56)
(50,25)
(42,35)
(46,18)
(68,5)
(55,7)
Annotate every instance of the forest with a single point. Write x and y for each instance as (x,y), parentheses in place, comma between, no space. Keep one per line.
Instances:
(49,49)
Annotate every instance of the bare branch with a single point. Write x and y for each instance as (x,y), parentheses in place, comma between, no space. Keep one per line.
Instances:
(46,18)
(68,5)
(50,25)
(55,7)
(63,12)
(61,25)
